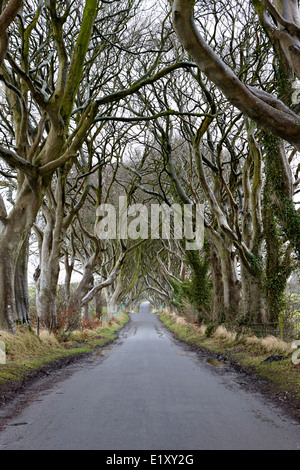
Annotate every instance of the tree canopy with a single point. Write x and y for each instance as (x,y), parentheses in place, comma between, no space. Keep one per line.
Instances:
(177,104)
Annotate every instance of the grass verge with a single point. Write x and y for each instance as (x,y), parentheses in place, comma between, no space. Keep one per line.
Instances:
(27,353)
(246,352)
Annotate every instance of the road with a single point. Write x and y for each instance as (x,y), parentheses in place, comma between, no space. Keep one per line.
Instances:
(146,392)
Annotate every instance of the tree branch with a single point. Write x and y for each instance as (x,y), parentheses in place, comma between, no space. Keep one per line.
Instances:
(55,164)
(290,26)
(19,163)
(267,111)
(9,14)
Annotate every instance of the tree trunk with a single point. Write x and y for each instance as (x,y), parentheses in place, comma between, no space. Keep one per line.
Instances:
(217,282)
(21,285)
(253,304)
(231,284)
(99,305)
(279,211)
(85,285)
(46,293)
(113,304)
(68,277)
(8,314)
(14,297)
(86,313)
(13,239)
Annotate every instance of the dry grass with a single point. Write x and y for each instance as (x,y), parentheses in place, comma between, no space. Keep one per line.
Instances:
(27,352)
(25,344)
(181,321)
(84,334)
(202,330)
(269,344)
(222,333)
(48,338)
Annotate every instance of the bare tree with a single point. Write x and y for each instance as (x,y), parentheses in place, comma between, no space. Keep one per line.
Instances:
(66,71)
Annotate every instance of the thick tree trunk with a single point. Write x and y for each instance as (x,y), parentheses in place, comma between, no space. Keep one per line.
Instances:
(279,214)
(13,239)
(68,277)
(113,300)
(112,305)
(225,277)
(86,313)
(86,284)
(46,287)
(46,293)
(8,313)
(217,282)
(21,285)
(99,305)
(253,304)
(231,284)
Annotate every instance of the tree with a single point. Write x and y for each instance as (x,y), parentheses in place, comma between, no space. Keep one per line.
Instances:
(279,183)
(60,84)
(36,159)
(80,124)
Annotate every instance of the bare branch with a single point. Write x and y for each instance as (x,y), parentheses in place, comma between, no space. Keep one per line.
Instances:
(15,161)
(267,111)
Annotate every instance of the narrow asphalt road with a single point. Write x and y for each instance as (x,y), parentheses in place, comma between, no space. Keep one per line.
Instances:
(146,392)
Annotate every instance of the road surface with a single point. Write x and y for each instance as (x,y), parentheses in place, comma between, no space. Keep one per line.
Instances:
(146,392)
